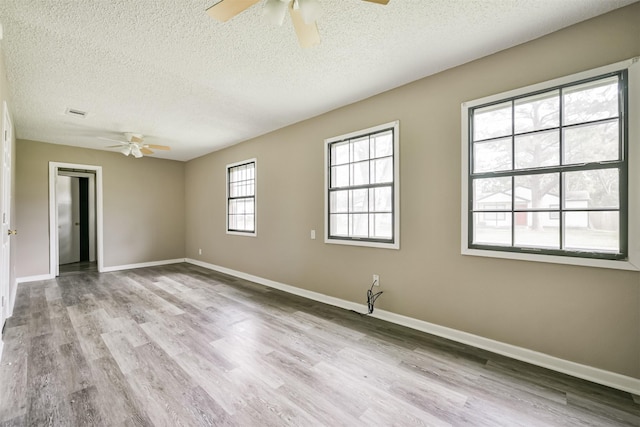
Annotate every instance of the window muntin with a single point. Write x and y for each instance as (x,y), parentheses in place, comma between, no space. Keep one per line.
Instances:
(556,162)
(362,198)
(241,198)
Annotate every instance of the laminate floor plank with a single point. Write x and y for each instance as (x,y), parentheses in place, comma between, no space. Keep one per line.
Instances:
(179,345)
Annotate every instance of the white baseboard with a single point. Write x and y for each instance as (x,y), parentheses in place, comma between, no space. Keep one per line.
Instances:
(596,375)
(141,265)
(27,279)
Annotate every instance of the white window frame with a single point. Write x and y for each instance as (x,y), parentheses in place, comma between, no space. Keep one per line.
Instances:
(395,125)
(633,260)
(253,233)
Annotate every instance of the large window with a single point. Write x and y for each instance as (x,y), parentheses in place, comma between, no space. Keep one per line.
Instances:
(362,187)
(547,169)
(241,198)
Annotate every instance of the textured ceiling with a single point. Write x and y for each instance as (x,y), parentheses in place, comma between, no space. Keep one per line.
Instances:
(165,69)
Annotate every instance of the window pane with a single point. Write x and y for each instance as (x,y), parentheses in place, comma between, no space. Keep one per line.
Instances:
(239,222)
(340,176)
(359,225)
(339,201)
(249,223)
(591,143)
(382,170)
(547,235)
(359,201)
(240,206)
(537,112)
(383,144)
(360,149)
(380,199)
(537,150)
(537,191)
(360,173)
(249,206)
(591,101)
(492,121)
(232,222)
(380,226)
(339,225)
(592,189)
(596,231)
(492,193)
(492,156)
(339,153)
(496,231)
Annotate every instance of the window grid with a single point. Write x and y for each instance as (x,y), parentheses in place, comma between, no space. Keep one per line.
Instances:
(561,170)
(375,232)
(241,181)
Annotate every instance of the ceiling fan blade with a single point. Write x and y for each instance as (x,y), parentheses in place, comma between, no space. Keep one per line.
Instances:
(115,146)
(136,139)
(227,9)
(308,35)
(144,150)
(378,1)
(157,147)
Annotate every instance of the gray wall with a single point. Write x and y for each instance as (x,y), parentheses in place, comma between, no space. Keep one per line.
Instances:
(143,205)
(586,315)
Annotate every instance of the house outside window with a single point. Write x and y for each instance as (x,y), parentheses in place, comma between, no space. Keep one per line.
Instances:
(241,198)
(546,170)
(362,188)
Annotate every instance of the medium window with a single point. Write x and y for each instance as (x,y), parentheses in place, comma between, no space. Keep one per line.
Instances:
(547,170)
(362,188)
(241,198)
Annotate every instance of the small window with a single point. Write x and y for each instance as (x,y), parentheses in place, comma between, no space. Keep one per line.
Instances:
(547,170)
(362,195)
(241,198)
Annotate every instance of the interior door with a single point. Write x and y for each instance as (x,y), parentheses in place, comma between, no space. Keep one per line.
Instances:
(5,212)
(68,196)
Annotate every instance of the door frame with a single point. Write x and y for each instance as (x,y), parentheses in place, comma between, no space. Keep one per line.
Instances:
(54,168)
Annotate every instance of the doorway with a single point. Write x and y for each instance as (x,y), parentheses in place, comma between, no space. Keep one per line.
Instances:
(75,195)
(75,216)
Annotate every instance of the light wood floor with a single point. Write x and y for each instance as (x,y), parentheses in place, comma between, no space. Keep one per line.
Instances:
(180,345)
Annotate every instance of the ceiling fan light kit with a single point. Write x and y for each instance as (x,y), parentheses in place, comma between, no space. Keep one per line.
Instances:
(304,15)
(135,145)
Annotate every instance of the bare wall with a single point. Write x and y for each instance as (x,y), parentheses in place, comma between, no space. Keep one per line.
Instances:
(586,315)
(143,205)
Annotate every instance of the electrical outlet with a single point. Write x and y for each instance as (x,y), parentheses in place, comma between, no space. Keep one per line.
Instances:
(313,234)
(200,251)
(376,280)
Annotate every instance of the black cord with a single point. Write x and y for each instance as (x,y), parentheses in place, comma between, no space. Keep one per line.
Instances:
(371,300)
(371,297)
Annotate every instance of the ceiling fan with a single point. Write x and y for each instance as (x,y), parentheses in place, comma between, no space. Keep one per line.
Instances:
(304,14)
(135,145)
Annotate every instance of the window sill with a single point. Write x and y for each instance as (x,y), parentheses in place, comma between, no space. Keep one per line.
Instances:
(240,233)
(555,259)
(379,245)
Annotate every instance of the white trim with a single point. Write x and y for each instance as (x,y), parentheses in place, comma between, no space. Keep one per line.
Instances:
(633,238)
(38,278)
(589,373)
(255,198)
(1,348)
(53,214)
(142,265)
(396,186)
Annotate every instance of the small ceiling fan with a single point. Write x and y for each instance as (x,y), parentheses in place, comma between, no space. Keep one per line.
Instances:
(135,145)
(304,14)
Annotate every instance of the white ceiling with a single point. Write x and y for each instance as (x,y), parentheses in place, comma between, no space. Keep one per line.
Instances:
(165,69)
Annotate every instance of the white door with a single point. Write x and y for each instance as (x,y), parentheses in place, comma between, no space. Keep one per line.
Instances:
(68,198)
(5,212)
